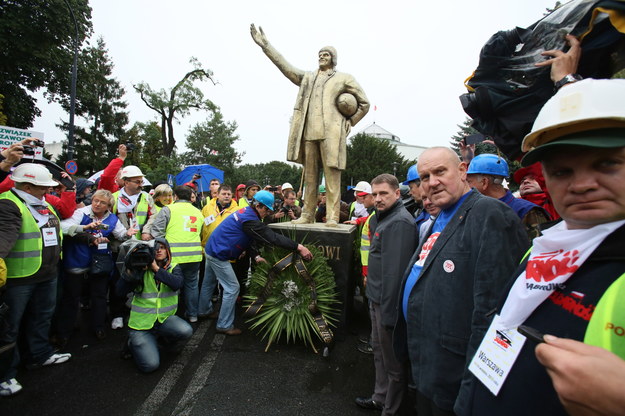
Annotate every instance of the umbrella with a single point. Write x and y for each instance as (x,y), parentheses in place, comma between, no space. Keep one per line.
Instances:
(96,175)
(208,172)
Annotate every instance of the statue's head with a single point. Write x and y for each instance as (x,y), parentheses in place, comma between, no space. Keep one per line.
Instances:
(332,51)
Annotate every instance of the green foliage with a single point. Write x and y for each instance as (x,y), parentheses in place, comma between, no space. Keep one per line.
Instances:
(37,51)
(3,117)
(368,156)
(212,142)
(99,101)
(164,165)
(274,173)
(285,311)
(146,137)
(177,102)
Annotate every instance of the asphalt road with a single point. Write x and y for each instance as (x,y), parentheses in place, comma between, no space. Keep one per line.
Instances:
(214,374)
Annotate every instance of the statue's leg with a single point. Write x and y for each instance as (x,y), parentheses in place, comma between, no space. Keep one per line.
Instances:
(311,181)
(333,193)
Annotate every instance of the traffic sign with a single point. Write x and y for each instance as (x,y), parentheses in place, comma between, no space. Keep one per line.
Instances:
(71,167)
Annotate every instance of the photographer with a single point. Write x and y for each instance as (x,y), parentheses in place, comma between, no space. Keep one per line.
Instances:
(287,210)
(153,322)
(11,156)
(111,179)
(87,251)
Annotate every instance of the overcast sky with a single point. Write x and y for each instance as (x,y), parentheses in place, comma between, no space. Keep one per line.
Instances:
(410,57)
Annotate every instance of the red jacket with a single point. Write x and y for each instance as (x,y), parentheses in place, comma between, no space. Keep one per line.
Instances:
(107,180)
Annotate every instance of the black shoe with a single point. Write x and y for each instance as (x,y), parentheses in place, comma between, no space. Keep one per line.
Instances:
(368,403)
(365,348)
(364,339)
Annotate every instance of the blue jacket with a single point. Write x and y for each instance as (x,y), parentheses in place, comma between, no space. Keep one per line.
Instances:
(519,205)
(78,255)
(229,240)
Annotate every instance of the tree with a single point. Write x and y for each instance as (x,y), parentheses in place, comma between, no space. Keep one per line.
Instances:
(212,142)
(272,173)
(99,101)
(146,139)
(183,97)
(165,165)
(37,51)
(3,117)
(369,156)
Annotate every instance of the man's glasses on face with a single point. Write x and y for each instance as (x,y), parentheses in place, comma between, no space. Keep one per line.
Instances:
(135,182)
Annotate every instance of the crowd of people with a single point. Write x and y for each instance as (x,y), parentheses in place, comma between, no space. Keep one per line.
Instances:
(482,301)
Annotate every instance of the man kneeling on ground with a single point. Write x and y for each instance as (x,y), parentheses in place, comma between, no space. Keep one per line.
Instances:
(153,322)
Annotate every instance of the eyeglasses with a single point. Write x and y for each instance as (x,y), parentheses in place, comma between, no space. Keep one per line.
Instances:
(135,182)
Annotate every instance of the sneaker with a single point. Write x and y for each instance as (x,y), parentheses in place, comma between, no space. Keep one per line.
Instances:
(117,323)
(9,388)
(365,348)
(57,359)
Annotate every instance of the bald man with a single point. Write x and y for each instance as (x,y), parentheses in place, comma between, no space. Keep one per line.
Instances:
(453,280)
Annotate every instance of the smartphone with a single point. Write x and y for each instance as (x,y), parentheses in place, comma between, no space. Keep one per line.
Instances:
(531,333)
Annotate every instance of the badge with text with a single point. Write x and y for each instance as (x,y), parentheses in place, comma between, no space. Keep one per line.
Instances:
(49,236)
(103,246)
(209,220)
(496,355)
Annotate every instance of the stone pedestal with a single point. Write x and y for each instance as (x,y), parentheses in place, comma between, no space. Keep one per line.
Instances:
(337,245)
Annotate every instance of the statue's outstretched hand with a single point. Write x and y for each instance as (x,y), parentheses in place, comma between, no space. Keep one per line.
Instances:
(258,36)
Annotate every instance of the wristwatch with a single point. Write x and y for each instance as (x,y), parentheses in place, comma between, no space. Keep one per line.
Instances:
(570,78)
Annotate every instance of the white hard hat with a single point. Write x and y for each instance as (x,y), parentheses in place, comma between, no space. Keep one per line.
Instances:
(585,105)
(286,185)
(33,173)
(363,186)
(131,171)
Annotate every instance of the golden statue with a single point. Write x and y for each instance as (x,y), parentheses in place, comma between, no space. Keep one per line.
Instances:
(328,104)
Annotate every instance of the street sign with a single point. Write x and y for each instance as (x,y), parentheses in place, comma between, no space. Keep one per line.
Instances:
(71,167)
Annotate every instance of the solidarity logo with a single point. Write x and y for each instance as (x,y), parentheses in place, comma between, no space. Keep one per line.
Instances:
(427,247)
(190,224)
(502,340)
(546,267)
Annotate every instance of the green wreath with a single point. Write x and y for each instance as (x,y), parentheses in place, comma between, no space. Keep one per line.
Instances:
(286,309)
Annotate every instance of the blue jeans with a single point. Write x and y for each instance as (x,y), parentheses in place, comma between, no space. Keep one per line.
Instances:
(191,272)
(220,270)
(34,304)
(144,344)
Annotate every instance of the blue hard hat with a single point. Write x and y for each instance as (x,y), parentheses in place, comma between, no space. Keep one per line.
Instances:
(266,198)
(489,164)
(413,175)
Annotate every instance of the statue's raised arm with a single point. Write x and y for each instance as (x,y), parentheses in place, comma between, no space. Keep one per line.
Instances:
(289,71)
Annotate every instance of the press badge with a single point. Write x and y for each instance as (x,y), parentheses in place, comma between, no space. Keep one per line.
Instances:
(49,236)
(103,246)
(209,220)
(496,355)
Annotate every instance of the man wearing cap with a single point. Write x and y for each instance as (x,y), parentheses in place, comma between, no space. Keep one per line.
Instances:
(134,207)
(31,248)
(319,130)
(286,186)
(251,187)
(357,208)
(414,184)
(486,175)
(180,224)
(453,280)
(240,232)
(572,282)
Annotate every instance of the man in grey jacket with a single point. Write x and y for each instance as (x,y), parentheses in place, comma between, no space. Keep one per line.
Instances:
(393,240)
(453,281)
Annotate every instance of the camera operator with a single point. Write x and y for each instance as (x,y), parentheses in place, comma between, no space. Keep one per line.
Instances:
(153,322)
(11,156)
(287,210)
